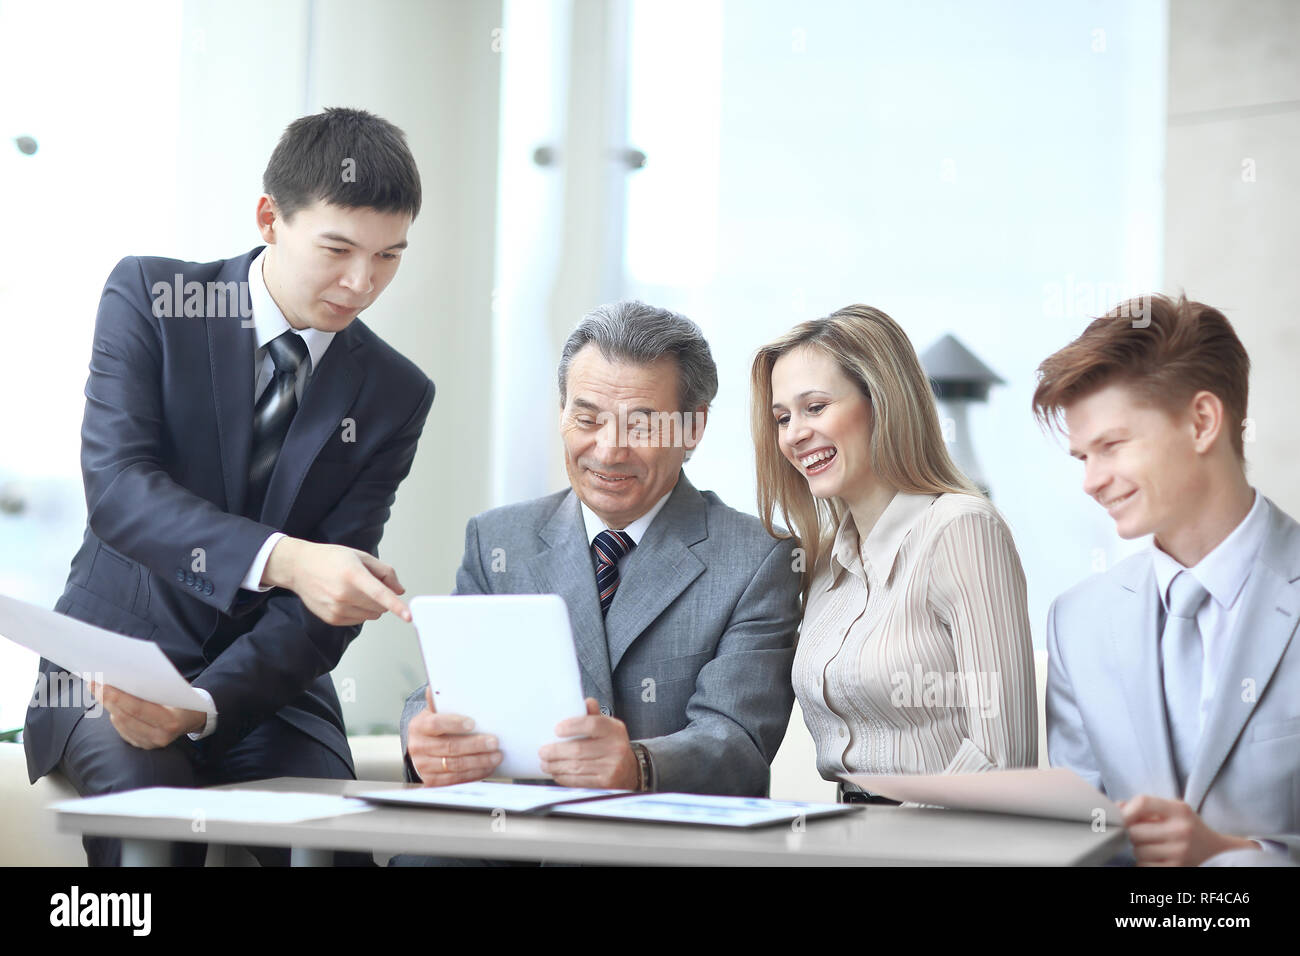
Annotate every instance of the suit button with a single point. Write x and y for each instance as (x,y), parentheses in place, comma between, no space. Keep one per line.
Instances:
(208,588)
(180,574)
(604,710)
(189,578)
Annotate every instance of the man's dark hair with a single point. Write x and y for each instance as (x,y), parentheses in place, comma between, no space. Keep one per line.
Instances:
(344,157)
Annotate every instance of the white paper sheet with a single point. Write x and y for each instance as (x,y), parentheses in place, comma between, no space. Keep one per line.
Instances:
(231,806)
(136,666)
(1057,792)
(485,795)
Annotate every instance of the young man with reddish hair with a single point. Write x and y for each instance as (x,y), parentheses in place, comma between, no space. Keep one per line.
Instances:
(1174,678)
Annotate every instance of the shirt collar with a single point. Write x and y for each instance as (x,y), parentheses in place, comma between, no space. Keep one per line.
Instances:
(1224,570)
(635,529)
(894,524)
(884,540)
(269,322)
(844,549)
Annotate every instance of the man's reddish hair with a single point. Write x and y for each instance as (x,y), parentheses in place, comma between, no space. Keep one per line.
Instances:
(1164,350)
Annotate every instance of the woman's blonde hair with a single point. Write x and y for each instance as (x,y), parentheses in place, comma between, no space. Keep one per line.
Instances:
(907,447)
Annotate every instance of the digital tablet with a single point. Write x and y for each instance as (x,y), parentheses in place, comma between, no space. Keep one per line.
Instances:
(508,662)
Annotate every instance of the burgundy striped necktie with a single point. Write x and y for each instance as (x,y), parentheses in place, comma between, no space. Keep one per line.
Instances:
(608,547)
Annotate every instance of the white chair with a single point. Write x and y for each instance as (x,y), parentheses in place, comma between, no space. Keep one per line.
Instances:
(27,833)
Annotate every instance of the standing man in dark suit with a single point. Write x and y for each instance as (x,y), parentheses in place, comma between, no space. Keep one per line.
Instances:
(243,440)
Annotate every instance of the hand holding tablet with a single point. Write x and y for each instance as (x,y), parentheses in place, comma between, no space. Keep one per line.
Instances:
(444,751)
(594,751)
(503,674)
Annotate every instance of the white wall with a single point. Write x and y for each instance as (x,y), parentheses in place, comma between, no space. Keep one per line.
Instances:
(1233,212)
(990,170)
(82,79)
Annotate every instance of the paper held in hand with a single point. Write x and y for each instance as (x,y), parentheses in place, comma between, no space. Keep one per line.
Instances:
(1057,793)
(136,666)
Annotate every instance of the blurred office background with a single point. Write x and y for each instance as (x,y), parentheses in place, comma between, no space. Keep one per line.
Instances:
(1000,170)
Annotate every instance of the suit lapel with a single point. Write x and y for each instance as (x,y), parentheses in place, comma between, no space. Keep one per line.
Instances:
(659,569)
(1265,625)
(565,568)
(231,347)
(1135,636)
(330,392)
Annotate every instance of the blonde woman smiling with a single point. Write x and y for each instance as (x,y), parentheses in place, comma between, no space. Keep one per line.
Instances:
(915,653)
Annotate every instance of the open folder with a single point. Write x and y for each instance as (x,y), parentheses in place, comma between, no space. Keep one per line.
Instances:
(689,808)
(1057,793)
(136,666)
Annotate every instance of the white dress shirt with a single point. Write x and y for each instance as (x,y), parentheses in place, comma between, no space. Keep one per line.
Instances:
(268,323)
(1224,573)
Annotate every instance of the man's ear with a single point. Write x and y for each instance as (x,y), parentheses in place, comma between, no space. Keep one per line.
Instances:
(693,427)
(1206,413)
(268,214)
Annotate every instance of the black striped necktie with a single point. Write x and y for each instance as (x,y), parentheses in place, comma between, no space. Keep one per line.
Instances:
(608,547)
(273,413)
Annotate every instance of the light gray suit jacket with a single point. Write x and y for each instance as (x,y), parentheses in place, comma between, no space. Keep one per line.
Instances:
(1105,701)
(695,654)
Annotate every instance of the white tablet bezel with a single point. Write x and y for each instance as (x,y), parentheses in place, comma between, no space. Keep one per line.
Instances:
(507,661)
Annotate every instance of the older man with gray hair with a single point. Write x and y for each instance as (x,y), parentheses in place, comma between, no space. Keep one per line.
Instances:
(684,610)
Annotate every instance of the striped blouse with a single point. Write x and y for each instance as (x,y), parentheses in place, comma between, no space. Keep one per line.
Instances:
(915,654)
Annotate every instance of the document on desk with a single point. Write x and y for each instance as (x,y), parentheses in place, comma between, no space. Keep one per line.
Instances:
(1058,793)
(702,809)
(230,806)
(486,795)
(136,666)
(607,804)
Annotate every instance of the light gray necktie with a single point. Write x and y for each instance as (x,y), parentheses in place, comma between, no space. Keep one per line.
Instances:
(1181,656)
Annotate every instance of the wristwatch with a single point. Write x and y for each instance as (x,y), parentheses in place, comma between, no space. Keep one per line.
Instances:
(645,770)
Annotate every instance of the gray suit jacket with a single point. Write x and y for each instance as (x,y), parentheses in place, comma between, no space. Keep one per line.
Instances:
(695,654)
(1105,702)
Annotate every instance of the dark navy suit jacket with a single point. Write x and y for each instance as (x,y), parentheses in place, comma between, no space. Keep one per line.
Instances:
(165,448)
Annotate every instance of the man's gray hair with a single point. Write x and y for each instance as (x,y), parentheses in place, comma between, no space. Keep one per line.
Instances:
(641,334)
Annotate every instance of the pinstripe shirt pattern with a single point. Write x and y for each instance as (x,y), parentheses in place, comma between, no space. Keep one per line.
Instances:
(915,654)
